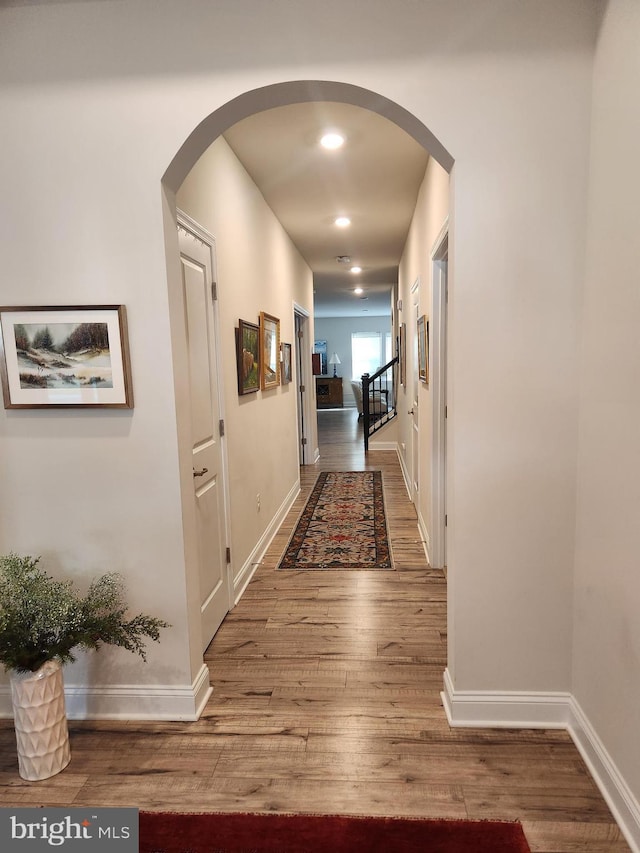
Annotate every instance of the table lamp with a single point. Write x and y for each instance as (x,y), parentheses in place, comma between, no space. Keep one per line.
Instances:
(334,360)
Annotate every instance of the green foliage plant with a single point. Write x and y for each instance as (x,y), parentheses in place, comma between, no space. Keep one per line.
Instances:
(44,619)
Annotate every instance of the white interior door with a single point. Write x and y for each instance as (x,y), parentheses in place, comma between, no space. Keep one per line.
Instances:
(197,263)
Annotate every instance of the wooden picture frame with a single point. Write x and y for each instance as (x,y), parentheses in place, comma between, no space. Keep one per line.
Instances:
(269,351)
(423,349)
(286,364)
(65,357)
(248,357)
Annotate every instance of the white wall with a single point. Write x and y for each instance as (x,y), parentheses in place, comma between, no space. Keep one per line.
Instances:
(337,331)
(432,209)
(607,581)
(258,269)
(96,100)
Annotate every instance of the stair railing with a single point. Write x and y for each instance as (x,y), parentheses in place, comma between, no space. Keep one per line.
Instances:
(379,399)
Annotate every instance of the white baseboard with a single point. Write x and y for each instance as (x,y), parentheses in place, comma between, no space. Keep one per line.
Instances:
(424,536)
(405,473)
(493,709)
(382,445)
(257,554)
(130,701)
(624,806)
(514,710)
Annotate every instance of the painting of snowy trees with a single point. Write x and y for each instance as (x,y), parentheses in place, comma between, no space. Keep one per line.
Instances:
(60,356)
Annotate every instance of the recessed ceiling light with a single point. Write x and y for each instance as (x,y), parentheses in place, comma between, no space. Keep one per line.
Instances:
(356,269)
(342,221)
(358,291)
(332,140)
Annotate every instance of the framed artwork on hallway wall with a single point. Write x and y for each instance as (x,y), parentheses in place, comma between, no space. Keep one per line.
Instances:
(269,351)
(403,354)
(320,349)
(58,357)
(423,349)
(286,364)
(248,353)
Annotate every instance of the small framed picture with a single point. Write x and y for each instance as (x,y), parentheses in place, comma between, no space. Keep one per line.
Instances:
(60,357)
(286,364)
(423,349)
(320,349)
(248,346)
(269,351)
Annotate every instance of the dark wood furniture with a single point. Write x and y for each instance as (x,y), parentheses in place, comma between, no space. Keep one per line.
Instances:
(329,392)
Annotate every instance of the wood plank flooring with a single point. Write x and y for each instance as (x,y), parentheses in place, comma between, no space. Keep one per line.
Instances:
(327,699)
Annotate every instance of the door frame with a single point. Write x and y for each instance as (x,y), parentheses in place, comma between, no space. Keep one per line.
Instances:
(438,379)
(188,224)
(303,377)
(415,396)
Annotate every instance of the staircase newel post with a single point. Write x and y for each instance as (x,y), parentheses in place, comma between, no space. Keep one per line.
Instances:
(365,410)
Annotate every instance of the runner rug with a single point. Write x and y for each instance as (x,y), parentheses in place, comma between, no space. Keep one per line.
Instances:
(161,832)
(343,525)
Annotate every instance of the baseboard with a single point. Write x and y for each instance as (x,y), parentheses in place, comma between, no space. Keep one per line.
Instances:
(424,536)
(493,709)
(514,710)
(405,473)
(382,445)
(130,701)
(620,799)
(257,554)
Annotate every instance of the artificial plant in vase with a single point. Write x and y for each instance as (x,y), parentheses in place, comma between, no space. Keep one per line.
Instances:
(42,622)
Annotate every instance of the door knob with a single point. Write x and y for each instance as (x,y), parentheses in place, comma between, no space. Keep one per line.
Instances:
(201,473)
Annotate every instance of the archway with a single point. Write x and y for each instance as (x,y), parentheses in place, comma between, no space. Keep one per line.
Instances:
(282,94)
(197,143)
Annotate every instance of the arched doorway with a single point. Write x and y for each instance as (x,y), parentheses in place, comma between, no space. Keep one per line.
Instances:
(199,141)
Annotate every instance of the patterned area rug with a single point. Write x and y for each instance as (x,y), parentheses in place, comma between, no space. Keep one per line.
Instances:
(343,525)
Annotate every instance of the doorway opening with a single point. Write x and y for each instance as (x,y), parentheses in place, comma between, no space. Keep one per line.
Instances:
(303,409)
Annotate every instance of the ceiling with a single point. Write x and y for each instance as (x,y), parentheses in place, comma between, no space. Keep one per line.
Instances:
(373,178)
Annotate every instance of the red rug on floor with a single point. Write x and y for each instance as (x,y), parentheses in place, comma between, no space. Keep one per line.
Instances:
(162,832)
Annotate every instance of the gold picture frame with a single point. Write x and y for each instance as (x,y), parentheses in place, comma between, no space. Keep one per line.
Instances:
(269,351)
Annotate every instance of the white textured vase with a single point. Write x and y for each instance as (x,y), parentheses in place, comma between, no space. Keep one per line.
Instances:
(40,721)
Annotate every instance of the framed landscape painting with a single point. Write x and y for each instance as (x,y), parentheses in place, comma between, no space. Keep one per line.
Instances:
(65,357)
(269,351)
(248,357)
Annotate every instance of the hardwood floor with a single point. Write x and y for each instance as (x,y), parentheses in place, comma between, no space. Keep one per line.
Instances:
(327,699)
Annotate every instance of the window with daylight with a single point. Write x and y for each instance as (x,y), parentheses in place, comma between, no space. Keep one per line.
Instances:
(369,352)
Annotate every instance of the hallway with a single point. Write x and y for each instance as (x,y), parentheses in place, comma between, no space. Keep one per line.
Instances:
(327,699)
